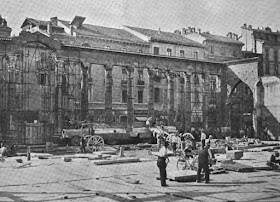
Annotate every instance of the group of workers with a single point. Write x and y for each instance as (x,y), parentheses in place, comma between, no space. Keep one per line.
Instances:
(205,156)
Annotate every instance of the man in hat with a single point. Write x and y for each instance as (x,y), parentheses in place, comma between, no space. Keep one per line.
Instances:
(204,156)
(162,163)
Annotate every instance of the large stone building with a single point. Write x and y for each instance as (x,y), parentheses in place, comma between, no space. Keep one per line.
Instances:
(70,71)
(265,44)
(218,48)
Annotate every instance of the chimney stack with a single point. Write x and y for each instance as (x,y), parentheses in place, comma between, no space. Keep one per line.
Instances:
(250,26)
(49,28)
(229,35)
(177,32)
(199,31)
(245,25)
(159,31)
(183,31)
(54,21)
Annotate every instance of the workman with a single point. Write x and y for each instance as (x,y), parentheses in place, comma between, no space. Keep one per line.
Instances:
(83,144)
(204,157)
(273,162)
(202,138)
(162,163)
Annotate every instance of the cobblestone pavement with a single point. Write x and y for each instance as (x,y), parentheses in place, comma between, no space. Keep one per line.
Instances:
(80,180)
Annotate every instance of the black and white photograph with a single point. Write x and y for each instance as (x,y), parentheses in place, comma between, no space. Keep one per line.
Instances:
(140,100)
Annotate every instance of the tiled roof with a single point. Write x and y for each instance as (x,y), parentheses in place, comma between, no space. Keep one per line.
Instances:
(166,37)
(36,22)
(223,39)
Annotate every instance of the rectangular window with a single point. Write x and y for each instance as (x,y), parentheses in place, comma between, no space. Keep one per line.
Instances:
(182,53)
(212,49)
(140,75)
(195,54)
(156,50)
(234,53)
(140,96)
(223,50)
(42,79)
(169,52)
(157,95)
(124,74)
(124,96)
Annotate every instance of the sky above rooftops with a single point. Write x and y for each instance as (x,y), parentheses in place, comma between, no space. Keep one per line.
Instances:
(216,16)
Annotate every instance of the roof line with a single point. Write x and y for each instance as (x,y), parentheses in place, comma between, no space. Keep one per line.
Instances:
(246,60)
(144,54)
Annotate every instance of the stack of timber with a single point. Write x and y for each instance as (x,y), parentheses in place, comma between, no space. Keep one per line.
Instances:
(234,166)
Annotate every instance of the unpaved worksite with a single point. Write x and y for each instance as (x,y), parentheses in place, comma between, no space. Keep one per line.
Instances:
(131,175)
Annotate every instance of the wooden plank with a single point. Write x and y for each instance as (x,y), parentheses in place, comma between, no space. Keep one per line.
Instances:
(120,160)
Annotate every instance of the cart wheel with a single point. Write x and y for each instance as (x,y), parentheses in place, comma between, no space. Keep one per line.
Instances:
(95,143)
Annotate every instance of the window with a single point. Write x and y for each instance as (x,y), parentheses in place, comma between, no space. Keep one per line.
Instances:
(182,53)
(140,75)
(107,47)
(234,53)
(124,49)
(124,96)
(223,50)
(212,49)
(157,95)
(140,96)
(156,50)
(195,54)
(140,51)
(169,52)
(124,74)
(42,79)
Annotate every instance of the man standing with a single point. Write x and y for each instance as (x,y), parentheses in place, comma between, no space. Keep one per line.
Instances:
(204,156)
(161,163)
(203,139)
(83,144)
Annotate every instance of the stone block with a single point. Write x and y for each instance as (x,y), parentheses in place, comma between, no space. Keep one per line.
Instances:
(234,154)
(182,176)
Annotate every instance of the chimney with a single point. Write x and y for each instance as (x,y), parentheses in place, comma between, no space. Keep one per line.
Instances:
(54,21)
(183,31)
(49,28)
(193,30)
(71,30)
(159,31)
(177,32)
(250,26)
(245,25)
(199,31)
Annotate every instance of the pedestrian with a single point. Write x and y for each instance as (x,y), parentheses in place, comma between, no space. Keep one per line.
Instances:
(202,138)
(273,162)
(204,157)
(83,144)
(162,163)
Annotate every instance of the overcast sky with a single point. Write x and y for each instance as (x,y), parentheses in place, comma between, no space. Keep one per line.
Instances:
(217,16)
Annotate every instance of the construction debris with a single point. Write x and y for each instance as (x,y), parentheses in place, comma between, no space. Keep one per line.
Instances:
(183,176)
(234,154)
(234,166)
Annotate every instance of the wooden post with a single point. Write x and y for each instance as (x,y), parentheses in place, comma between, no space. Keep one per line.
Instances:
(108,94)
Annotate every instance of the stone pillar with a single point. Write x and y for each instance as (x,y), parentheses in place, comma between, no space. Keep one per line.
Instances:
(151,94)
(181,104)
(130,103)
(258,106)
(108,94)
(59,98)
(188,110)
(205,99)
(223,115)
(84,91)
(170,97)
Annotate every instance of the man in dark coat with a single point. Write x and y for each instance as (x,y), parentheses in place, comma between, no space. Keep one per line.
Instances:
(204,156)
(161,163)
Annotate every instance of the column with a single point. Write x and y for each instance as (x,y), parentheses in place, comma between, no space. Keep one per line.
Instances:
(182,100)
(59,98)
(108,94)
(205,99)
(130,103)
(188,110)
(151,94)
(170,97)
(258,105)
(224,113)
(84,91)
